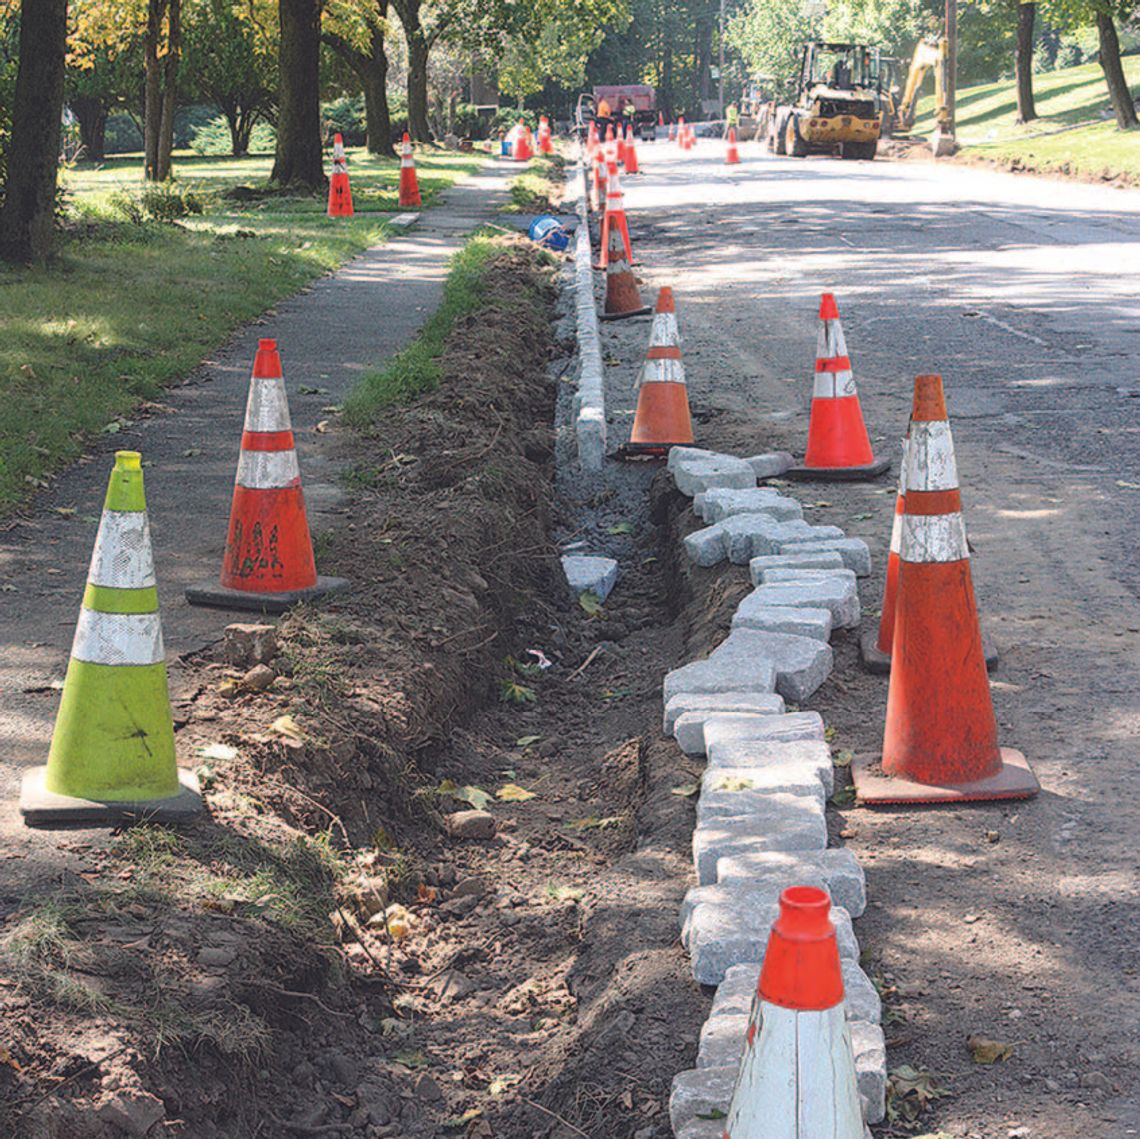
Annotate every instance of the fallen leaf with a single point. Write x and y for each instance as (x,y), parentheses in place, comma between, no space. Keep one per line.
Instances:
(563,893)
(475,796)
(501,1083)
(592,822)
(66,511)
(513,793)
(288,727)
(527,741)
(218,751)
(411,1058)
(1128,485)
(426,894)
(589,602)
(112,428)
(458,1121)
(399,921)
(621,528)
(842,759)
(190,452)
(734,783)
(686,789)
(986,1051)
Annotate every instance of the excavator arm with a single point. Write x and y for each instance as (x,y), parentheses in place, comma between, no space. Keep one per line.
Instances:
(928,54)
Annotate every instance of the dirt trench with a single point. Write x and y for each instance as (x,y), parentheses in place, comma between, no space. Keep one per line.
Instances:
(319,955)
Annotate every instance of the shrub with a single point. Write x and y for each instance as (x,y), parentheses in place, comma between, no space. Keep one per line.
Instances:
(506,117)
(166,202)
(214,138)
(346,117)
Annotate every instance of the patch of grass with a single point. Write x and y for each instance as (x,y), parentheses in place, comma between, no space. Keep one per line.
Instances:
(128,306)
(417,369)
(539,189)
(1074,133)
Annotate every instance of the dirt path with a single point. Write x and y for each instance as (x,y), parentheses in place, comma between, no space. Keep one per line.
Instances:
(1010,922)
(344,325)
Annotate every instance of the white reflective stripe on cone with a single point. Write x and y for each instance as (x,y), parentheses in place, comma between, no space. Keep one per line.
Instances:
(122,556)
(933,538)
(930,463)
(340,166)
(338,152)
(797,1080)
(896,534)
(663,371)
(833,385)
(664,332)
(267,408)
(117,638)
(268,470)
(407,159)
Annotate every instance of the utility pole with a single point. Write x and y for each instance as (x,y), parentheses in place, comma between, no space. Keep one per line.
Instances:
(720,72)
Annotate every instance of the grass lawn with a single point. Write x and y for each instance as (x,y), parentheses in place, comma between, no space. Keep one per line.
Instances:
(128,307)
(1075,132)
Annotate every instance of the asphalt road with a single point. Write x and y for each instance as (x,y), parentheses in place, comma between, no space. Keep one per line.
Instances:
(1013,922)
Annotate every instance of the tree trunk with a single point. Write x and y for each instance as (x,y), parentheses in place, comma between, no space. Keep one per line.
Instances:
(28,215)
(169,91)
(152,91)
(298,161)
(418,125)
(92,116)
(1023,61)
(378,119)
(1118,92)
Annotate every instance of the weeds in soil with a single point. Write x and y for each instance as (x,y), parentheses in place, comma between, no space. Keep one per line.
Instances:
(539,189)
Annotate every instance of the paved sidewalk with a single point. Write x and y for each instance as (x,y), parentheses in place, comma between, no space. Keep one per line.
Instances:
(330,333)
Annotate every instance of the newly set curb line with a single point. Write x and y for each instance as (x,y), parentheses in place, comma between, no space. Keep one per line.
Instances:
(761,822)
(590,399)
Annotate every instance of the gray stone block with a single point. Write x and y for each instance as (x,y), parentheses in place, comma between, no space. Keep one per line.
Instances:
(853,551)
(590,429)
(818,559)
(734,800)
(836,594)
(689,728)
(598,575)
(678,455)
(870,1068)
(801,664)
(814,623)
(700,1092)
(731,738)
(772,538)
(727,673)
(770,465)
(706,547)
(716,505)
(702,1129)
(811,757)
(777,576)
(740,532)
(780,822)
(728,925)
(705,704)
(834,870)
(734,994)
(693,476)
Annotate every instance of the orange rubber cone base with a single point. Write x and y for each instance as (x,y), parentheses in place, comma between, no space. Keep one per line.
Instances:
(43,808)
(876,661)
(839,474)
(873,786)
(219,597)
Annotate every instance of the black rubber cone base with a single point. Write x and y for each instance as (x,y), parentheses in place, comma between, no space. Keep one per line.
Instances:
(878,662)
(873,786)
(839,474)
(43,808)
(645,452)
(218,597)
(645,310)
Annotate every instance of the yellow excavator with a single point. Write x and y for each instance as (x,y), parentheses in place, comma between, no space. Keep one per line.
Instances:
(898,116)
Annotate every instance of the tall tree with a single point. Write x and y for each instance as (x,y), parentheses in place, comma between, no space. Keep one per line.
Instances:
(1023,60)
(420,38)
(1119,94)
(28,215)
(360,43)
(162,51)
(298,159)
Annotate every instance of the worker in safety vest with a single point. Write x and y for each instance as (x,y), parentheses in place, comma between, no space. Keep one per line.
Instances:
(731,117)
(603,111)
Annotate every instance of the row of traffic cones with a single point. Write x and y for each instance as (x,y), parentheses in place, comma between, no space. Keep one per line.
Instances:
(112,755)
(340,192)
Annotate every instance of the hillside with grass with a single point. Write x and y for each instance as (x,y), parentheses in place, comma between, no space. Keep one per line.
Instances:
(1075,132)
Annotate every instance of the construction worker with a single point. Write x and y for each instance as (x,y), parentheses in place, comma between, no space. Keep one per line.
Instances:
(731,117)
(603,110)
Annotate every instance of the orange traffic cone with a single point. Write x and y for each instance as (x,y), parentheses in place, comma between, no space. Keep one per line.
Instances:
(672,132)
(592,138)
(409,183)
(660,118)
(622,297)
(940,743)
(522,151)
(340,194)
(598,182)
(545,145)
(631,166)
(614,218)
(681,129)
(268,564)
(838,447)
(797,1074)
(662,418)
(731,154)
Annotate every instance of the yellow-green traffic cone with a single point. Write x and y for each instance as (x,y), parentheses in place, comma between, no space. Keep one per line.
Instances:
(112,752)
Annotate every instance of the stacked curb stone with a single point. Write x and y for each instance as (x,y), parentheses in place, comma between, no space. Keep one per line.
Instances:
(590,399)
(761,824)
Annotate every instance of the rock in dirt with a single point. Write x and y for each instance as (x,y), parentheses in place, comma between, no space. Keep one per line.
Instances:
(133,1110)
(427,1089)
(451,986)
(470,824)
(469,885)
(258,678)
(247,645)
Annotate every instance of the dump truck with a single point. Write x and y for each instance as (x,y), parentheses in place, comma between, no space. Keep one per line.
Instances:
(836,110)
(634,103)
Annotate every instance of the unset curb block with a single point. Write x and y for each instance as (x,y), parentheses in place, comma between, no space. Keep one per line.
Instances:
(689,728)
(834,870)
(804,758)
(716,505)
(733,800)
(854,552)
(801,664)
(781,822)
(814,623)
(583,572)
(693,476)
(821,559)
(701,705)
(770,465)
(729,925)
(734,995)
(590,400)
(730,738)
(731,672)
(838,595)
(706,546)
